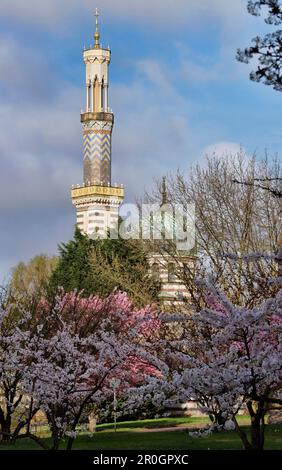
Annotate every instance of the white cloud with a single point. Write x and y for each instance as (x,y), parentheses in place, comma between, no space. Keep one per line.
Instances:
(197,73)
(40,157)
(40,131)
(37,147)
(24,71)
(223,149)
(155,73)
(154,133)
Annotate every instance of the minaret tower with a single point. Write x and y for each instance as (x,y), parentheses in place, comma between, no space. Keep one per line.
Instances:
(97,201)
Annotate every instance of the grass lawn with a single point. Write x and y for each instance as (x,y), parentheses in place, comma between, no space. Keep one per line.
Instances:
(133,436)
(163,423)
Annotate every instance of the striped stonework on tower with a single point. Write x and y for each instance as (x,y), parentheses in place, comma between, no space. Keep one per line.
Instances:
(97,157)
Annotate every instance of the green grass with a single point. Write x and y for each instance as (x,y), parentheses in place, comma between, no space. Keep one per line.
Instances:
(173,440)
(128,438)
(163,423)
(151,423)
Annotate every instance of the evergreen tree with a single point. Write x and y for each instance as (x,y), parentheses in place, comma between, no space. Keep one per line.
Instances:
(73,270)
(104,265)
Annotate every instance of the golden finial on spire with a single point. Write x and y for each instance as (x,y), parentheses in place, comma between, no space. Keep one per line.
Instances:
(97,33)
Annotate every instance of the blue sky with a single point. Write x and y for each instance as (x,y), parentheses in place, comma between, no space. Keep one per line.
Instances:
(176,90)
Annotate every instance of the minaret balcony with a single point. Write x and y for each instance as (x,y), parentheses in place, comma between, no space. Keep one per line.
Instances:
(102,116)
(97,190)
(92,48)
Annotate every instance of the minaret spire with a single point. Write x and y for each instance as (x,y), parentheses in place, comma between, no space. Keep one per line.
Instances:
(97,201)
(97,33)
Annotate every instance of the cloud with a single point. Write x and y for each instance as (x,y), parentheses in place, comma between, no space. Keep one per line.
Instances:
(150,135)
(223,149)
(40,131)
(154,72)
(30,233)
(194,72)
(40,154)
(24,72)
(39,151)
(57,14)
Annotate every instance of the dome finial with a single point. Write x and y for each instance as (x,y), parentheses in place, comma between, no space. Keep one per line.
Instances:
(97,33)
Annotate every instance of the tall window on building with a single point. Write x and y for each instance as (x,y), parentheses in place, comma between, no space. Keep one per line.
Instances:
(155,270)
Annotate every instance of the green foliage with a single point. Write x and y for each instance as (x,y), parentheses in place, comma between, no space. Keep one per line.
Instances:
(104,265)
(73,270)
(33,277)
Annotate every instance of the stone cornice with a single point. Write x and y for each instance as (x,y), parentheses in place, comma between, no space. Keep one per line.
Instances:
(109,117)
(97,191)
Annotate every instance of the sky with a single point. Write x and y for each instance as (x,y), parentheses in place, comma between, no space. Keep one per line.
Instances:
(176,89)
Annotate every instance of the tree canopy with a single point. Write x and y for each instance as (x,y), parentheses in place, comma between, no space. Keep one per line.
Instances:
(230,219)
(267,50)
(32,277)
(104,265)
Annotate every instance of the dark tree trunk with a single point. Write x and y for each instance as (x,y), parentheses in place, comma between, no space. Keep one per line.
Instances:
(257,433)
(257,425)
(56,443)
(243,436)
(6,424)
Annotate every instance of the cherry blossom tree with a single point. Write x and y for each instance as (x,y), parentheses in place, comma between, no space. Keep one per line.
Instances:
(238,363)
(15,360)
(69,359)
(10,375)
(224,358)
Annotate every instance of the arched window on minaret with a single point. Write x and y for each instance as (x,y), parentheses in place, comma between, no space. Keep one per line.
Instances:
(96,96)
(106,97)
(92,96)
(102,94)
(88,96)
